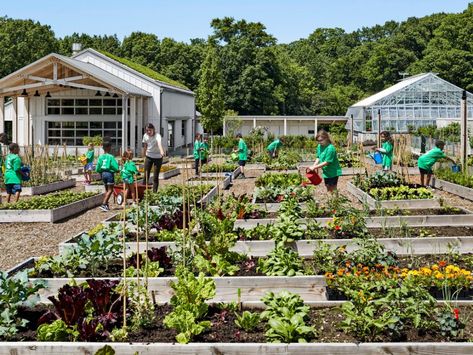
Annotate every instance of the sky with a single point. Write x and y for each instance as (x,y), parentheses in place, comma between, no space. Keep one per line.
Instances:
(182,20)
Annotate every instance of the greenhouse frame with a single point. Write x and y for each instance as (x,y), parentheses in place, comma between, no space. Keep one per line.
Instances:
(416,101)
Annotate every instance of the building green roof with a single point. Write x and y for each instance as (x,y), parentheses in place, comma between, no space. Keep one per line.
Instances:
(144,70)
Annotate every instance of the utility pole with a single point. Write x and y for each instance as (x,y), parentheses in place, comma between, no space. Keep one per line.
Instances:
(464,131)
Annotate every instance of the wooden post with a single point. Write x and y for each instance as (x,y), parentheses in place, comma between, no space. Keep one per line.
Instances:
(15,119)
(464,132)
(379,128)
(133,124)
(124,122)
(2,114)
(140,114)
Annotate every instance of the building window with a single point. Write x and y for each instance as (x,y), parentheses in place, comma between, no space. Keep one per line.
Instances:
(71,133)
(109,106)
(311,131)
(368,123)
(183,128)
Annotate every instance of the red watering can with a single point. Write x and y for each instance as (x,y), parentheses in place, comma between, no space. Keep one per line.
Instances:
(313,177)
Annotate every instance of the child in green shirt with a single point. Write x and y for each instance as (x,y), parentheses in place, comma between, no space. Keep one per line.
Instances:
(89,164)
(386,150)
(107,166)
(427,161)
(3,141)
(204,151)
(274,146)
(13,177)
(196,152)
(242,151)
(327,159)
(128,173)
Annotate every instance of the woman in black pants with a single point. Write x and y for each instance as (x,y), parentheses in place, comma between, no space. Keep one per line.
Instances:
(153,152)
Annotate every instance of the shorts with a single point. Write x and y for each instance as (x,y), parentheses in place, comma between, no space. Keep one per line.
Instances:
(425,171)
(108,178)
(333,181)
(128,181)
(89,167)
(12,188)
(242,162)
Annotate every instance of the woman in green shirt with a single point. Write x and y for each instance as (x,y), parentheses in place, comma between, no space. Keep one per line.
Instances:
(386,150)
(196,152)
(327,159)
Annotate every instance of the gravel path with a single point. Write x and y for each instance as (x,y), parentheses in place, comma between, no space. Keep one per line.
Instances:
(19,241)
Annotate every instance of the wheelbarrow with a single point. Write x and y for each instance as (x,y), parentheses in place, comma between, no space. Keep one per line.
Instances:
(118,192)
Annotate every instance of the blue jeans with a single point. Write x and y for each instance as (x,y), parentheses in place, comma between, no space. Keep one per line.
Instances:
(108,178)
(12,188)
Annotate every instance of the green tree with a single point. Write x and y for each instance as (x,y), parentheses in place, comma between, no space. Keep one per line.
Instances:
(210,91)
(107,43)
(22,42)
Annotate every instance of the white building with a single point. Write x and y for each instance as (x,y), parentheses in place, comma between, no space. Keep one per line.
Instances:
(57,100)
(419,100)
(279,125)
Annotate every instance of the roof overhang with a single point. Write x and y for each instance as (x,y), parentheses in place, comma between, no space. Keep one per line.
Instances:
(55,72)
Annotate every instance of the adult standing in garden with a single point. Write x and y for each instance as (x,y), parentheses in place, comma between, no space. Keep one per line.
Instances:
(386,150)
(242,151)
(274,146)
(327,159)
(153,152)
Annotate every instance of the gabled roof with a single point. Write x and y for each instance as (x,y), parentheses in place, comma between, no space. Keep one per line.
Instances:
(105,76)
(391,90)
(140,70)
(89,69)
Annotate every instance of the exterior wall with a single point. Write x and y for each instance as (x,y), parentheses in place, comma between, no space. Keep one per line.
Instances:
(294,127)
(174,104)
(179,108)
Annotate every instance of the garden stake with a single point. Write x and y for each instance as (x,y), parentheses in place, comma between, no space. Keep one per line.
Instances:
(146,232)
(125,291)
(137,239)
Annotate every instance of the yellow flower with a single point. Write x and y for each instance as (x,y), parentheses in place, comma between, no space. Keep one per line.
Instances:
(435,267)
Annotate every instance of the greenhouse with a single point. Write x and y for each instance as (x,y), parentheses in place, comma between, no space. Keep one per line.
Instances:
(416,101)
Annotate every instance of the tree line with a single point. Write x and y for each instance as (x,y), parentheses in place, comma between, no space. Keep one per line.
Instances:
(241,67)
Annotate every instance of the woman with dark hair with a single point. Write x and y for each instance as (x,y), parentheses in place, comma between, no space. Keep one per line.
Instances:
(153,152)
(327,159)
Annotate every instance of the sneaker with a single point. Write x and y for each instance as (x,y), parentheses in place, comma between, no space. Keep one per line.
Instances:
(105,208)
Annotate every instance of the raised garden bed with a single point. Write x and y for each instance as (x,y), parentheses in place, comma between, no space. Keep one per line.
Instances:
(459,190)
(51,215)
(305,248)
(47,188)
(391,204)
(224,180)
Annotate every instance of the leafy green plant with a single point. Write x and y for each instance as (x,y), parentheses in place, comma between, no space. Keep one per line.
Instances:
(247,321)
(15,291)
(401,193)
(189,304)
(282,261)
(449,322)
(48,202)
(286,315)
(56,331)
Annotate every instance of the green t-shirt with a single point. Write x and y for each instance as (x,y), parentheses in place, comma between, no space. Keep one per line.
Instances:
(388,154)
(129,171)
(329,154)
(107,162)
(242,150)
(428,160)
(204,152)
(274,145)
(12,169)
(90,156)
(197,145)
